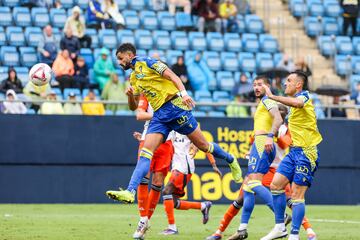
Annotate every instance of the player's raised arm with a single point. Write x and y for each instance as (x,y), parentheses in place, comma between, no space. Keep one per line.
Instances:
(133,100)
(288,101)
(141,113)
(277,121)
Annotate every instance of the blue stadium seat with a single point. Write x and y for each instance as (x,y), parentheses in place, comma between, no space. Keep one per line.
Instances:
(343,65)
(83,4)
(28,56)
(189,54)
(199,113)
(221,96)
(232,42)
(6,16)
(15,36)
(313,27)
(298,8)
(344,45)
(11,3)
(122,4)
(179,40)
(166,21)
(141,52)
(57,91)
(125,36)
(23,74)
(68,3)
(212,83)
(107,38)
(162,39)
(85,92)
(58,17)
(124,113)
(197,41)
(183,20)
(69,90)
(132,20)
(354,80)
(22,16)
(3,72)
(229,61)
(277,58)
(40,16)
(216,114)
(202,94)
(171,56)
(30,111)
(264,61)
(250,42)
(327,45)
(213,60)
(87,54)
(268,43)
(315,8)
(33,36)
(161,54)
(332,8)
(356,45)
(247,62)
(136,4)
(57,33)
(144,39)
(356,64)
(241,23)
(96,53)
(215,41)
(225,80)
(149,20)
(2,37)
(94,37)
(330,26)
(254,24)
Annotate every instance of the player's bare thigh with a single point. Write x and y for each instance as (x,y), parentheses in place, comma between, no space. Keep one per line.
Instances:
(255,176)
(298,191)
(169,189)
(158,178)
(279,182)
(152,141)
(198,139)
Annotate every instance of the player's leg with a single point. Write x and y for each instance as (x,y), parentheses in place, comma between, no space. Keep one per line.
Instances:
(155,192)
(168,202)
(298,209)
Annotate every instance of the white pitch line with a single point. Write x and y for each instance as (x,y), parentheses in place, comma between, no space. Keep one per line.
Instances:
(334,221)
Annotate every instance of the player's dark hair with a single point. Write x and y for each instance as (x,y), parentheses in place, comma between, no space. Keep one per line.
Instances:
(304,78)
(264,78)
(126,47)
(283,111)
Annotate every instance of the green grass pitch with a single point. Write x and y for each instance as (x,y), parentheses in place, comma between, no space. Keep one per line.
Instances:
(117,221)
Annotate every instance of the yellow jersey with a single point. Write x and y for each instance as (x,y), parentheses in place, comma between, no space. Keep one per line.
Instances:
(147,78)
(302,123)
(263,120)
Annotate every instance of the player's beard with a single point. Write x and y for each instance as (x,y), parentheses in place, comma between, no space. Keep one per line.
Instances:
(126,66)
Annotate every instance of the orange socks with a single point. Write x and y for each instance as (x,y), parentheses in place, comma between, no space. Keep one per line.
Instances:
(169,208)
(305,223)
(228,216)
(153,199)
(142,196)
(185,205)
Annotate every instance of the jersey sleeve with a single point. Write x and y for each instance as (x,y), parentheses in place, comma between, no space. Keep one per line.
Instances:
(156,65)
(133,85)
(143,103)
(304,96)
(269,103)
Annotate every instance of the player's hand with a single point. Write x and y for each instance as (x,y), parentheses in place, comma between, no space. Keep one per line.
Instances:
(137,136)
(193,150)
(217,170)
(46,54)
(269,144)
(267,91)
(188,101)
(129,91)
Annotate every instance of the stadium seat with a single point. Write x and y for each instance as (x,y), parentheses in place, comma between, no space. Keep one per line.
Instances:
(247,62)
(94,37)
(137,5)
(171,56)
(268,43)
(160,53)
(28,56)
(199,113)
(355,64)
(315,8)
(225,80)
(215,41)
(221,96)
(3,72)
(189,54)
(250,42)
(202,94)
(22,16)
(344,45)
(6,16)
(2,37)
(183,20)
(107,38)
(179,40)
(241,23)
(11,3)
(58,17)
(144,39)
(332,8)
(87,54)
(254,24)
(30,111)
(330,26)
(232,42)
(277,58)
(69,90)
(327,45)
(313,26)
(229,61)
(85,92)
(83,4)
(212,59)
(216,114)
(141,52)
(356,45)
(122,4)
(205,100)
(149,20)
(166,21)
(15,36)
(68,3)
(40,16)
(125,36)
(124,113)
(197,41)
(264,61)
(23,74)
(343,65)
(354,80)
(132,20)
(212,82)
(298,8)
(33,36)
(162,39)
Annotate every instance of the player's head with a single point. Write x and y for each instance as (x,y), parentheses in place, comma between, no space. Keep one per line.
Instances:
(295,83)
(125,53)
(258,82)
(283,111)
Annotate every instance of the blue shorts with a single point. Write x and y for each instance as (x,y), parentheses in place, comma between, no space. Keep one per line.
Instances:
(299,165)
(171,117)
(259,159)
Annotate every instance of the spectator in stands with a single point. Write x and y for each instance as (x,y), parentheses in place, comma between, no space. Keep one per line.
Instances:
(179,68)
(158,5)
(70,43)
(244,88)
(114,90)
(286,63)
(350,14)
(228,12)
(303,66)
(111,8)
(48,46)
(77,24)
(277,86)
(103,68)
(234,109)
(242,6)
(173,4)
(11,107)
(337,112)
(81,77)
(57,4)
(91,106)
(356,95)
(63,68)
(209,18)
(36,93)
(12,82)
(36,3)
(199,73)
(72,108)
(96,16)
(52,106)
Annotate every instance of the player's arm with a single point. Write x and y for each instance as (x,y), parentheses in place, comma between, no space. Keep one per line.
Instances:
(141,113)
(133,99)
(277,121)
(288,101)
(212,161)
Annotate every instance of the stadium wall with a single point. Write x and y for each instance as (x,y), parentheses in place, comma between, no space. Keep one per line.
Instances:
(75,159)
